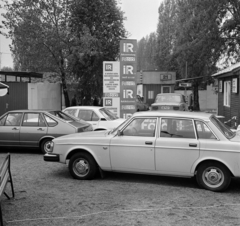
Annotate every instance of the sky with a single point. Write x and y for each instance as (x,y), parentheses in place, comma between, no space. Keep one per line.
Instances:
(141,20)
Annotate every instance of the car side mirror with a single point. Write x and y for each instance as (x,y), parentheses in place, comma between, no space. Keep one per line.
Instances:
(119,133)
(103,119)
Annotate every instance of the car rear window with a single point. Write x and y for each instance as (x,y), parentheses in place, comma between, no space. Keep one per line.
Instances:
(170,98)
(222,127)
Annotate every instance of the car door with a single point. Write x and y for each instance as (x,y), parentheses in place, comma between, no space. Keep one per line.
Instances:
(10,129)
(177,147)
(133,148)
(33,128)
(90,116)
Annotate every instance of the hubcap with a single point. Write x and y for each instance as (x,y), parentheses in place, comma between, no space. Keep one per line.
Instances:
(81,167)
(47,146)
(213,177)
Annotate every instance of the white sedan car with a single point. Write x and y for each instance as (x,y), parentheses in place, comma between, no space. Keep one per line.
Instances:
(169,143)
(100,118)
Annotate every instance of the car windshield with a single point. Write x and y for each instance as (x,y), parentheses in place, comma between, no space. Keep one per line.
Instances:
(167,98)
(108,114)
(62,115)
(119,127)
(222,127)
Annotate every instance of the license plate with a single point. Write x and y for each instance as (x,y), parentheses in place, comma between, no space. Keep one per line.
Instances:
(165,107)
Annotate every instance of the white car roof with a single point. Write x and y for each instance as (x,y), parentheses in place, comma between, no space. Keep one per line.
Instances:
(179,114)
(84,107)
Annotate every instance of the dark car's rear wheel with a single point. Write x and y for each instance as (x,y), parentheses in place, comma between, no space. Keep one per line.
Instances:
(45,145)
(213,176)
(82,166)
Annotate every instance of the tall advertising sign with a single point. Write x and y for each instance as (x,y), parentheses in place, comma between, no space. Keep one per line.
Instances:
(128,70)
(111,86)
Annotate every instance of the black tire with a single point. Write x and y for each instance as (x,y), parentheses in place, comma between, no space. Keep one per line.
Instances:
(45,145)
(82,166)
(213,176)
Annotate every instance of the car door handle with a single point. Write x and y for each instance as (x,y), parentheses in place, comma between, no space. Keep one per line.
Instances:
(15,128)
(40,129)
(192,145)
(148,142)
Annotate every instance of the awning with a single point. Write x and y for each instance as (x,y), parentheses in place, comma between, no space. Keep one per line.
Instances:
(3,89)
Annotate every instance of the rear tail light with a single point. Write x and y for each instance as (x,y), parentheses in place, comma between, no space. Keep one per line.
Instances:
(154,108)
(175,108)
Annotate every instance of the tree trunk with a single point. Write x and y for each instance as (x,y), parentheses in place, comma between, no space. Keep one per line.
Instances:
(65,91)
(195,97)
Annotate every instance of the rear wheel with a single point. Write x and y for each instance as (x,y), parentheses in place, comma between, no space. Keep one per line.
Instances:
(213,176)
(82,166)
(45,145)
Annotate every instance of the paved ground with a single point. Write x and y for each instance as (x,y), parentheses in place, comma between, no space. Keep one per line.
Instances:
(47,195)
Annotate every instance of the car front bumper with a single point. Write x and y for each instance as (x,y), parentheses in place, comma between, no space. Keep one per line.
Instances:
(51,157)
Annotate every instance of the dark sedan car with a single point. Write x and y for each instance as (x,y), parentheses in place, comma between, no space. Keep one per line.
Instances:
(36,128)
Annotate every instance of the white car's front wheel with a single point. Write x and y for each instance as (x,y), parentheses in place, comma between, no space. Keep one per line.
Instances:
(213,176)
(82,166)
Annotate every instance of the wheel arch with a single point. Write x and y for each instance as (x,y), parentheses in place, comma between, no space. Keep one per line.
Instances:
(44,138)
(196,165)
(81,150)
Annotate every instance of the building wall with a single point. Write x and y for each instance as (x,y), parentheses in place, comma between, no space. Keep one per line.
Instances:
(234,109)
(45,96)
(16,99)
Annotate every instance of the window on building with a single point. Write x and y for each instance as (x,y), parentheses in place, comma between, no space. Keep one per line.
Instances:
(227,93)
(150,94)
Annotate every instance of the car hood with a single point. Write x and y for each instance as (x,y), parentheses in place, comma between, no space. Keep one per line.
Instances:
(85,135)
(166,104)
(119,120)
(237,137)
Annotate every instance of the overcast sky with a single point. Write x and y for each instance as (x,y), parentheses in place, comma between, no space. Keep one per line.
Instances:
(142,19)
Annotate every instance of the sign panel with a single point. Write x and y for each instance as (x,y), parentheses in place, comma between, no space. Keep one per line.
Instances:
(185,84)
(234,85)
(111,86)
(111,77)
(128,71)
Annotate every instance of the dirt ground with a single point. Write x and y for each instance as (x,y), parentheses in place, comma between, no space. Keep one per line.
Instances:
(45,194)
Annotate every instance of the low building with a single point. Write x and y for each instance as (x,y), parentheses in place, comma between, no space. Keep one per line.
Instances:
(228,94)
(150,83)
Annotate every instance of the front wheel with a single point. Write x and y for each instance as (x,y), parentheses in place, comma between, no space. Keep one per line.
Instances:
(82,166)
(213,176)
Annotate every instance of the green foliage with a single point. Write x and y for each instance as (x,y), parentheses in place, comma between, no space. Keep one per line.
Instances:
(100,22)
(189,39)
(147,52)
(68,37)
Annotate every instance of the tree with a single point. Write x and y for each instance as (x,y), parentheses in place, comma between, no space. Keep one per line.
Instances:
(191,37)
(6,69)
(100,23)
(41,36)
(146,52)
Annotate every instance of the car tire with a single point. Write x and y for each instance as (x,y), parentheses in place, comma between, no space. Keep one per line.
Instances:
(82,166)
(213,176)
(45,145)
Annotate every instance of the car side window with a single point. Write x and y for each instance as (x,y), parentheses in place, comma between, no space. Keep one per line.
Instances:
(95,117)
(143,127)
(177,128)
(13,119)
(71,111)
(51,122)
(2,120)
(203,132)
(33,120)
(85,115)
